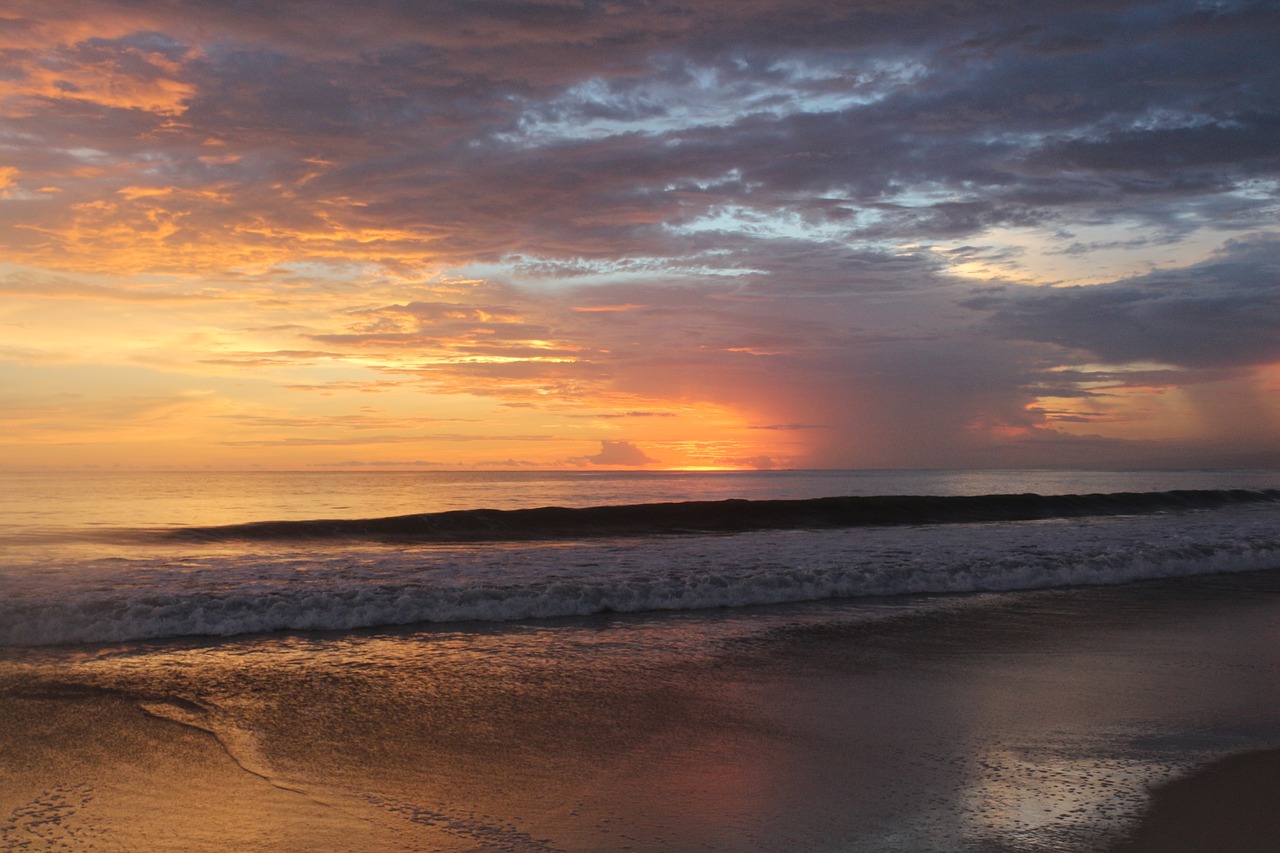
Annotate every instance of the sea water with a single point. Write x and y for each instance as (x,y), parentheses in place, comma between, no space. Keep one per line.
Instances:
(84,557)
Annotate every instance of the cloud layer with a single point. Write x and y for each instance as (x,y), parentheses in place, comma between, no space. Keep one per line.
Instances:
(643,234)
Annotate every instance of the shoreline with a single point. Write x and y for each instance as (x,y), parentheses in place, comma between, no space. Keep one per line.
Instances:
(1013,722)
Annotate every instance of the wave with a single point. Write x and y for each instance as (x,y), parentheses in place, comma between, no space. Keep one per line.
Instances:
(222,591)
(726,516)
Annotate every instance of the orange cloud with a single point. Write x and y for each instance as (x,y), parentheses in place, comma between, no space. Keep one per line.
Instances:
(604,309)
(620,454)
(130,80)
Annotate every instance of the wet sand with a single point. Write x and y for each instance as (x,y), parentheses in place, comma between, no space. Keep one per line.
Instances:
(1228,807)
(85,770)
(989,724)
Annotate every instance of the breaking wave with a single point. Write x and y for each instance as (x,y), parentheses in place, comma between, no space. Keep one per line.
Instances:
(305,576)
(727,516)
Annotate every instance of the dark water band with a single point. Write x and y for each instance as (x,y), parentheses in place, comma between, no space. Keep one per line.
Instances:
(727,516)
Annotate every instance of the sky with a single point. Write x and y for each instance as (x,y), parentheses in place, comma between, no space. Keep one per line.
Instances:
(741,234)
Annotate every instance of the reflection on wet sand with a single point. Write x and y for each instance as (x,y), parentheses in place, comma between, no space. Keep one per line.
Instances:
(999,722)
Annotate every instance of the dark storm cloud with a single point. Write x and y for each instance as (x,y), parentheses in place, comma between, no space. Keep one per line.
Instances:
(426,115)
(458,123)
(1221,313)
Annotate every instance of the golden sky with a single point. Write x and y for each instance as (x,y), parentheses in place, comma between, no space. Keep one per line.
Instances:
(323,235)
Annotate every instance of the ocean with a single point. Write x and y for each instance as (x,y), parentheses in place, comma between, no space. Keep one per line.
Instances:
(101,557)
(728,661)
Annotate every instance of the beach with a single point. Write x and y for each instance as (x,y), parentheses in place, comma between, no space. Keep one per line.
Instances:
(288,662)
(548,426)
(1021,721)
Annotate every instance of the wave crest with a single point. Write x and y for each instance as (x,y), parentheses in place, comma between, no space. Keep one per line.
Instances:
(727,516)
(224,591)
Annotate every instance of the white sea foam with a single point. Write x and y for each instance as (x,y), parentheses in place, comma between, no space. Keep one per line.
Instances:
(223,593)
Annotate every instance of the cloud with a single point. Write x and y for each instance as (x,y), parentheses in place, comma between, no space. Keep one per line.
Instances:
(856,225)
(359,440)
(310,135)
(1222,313)
(382,463)
(30,285)
(620,453)
(615,415)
